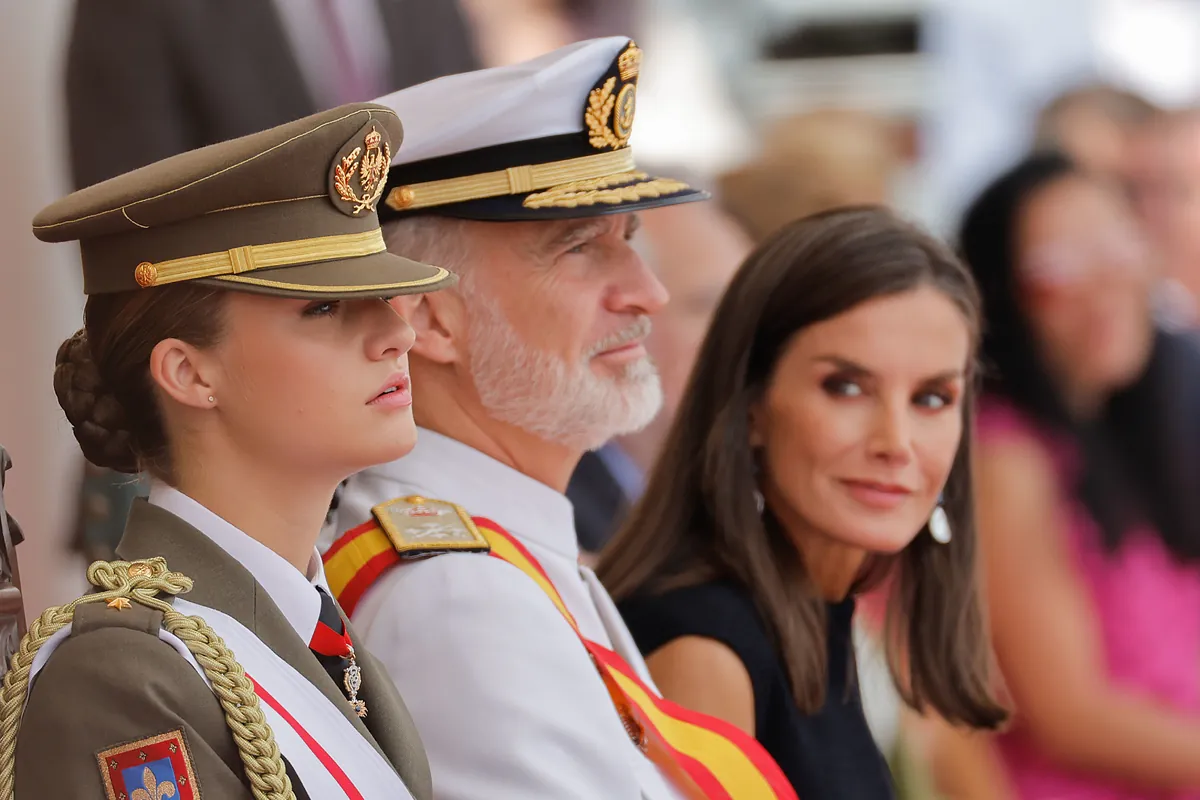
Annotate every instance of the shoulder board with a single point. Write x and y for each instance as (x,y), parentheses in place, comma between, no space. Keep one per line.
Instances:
(404,529)
(419,526)
(133,595)
(116,614)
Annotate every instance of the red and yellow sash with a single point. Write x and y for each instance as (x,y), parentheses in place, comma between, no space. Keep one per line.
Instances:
(706,757)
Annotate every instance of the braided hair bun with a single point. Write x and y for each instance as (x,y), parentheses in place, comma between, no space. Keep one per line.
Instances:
(100,423)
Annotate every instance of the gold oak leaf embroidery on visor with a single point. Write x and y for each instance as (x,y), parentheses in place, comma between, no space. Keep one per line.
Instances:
(610,190)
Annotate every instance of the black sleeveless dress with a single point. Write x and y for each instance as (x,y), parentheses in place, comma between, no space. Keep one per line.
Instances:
(829,755)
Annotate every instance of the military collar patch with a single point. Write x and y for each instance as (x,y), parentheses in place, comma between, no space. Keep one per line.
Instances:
(612,103)
(156,768)
(360,169)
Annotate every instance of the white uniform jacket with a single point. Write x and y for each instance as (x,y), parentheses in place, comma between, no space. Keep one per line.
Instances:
(507,701)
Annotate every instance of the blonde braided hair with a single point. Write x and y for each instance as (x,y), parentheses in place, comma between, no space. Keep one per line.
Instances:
(141,582)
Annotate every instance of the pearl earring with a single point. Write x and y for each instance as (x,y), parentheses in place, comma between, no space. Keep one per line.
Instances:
(939,523)
(212,399)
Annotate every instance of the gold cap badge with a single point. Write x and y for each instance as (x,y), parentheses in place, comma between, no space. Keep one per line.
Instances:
(360,171)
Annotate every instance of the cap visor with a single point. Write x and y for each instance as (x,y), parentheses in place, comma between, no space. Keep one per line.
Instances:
(375,275)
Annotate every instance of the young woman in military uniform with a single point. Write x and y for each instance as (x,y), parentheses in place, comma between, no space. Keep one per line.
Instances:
(237,348)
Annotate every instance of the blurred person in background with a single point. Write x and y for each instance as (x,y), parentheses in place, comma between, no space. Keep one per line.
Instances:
(694,249)
(812,162)
(1097,126)
(1168,199)
(146,80)
(821,448)
(1155,156)
(1089,547)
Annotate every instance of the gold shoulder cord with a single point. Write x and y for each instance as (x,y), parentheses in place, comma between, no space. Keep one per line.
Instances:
(141,582)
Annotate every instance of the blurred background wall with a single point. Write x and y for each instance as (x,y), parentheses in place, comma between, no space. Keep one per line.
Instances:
(40,298)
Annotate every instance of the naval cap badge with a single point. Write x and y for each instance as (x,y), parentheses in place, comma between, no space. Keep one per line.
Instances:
(611,105)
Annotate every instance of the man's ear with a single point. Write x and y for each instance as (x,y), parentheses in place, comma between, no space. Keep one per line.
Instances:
(439,320)
(179,370)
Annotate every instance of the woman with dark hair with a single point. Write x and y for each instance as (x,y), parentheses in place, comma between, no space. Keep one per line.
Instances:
(1095,609)
(819,451)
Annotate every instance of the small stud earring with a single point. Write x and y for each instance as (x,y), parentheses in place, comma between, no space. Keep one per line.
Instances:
(939,523)
(212,399)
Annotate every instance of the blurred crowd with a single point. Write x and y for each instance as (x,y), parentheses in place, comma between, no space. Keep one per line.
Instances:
(1086,250)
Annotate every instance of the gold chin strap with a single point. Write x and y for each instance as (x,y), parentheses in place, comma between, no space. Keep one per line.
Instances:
(514,180)
(249,258)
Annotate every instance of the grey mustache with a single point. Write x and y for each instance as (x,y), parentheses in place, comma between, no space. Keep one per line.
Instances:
(638,330)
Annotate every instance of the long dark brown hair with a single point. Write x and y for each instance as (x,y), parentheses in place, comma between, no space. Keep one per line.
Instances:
(698,520)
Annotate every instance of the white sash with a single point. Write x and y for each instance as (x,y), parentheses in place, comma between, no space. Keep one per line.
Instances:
(328,754)
(332,759)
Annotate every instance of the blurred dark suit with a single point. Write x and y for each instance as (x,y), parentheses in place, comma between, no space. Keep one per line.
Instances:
(601,501)
(147,79)
(1155,425)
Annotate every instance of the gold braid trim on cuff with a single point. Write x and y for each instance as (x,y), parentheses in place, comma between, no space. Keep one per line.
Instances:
(141,582)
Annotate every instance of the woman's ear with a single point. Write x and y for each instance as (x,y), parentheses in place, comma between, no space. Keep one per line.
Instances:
(179,370)
(439,321)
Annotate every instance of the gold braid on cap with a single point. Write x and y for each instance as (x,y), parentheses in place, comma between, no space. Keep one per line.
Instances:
(122,583)
(514,180)
(249,258)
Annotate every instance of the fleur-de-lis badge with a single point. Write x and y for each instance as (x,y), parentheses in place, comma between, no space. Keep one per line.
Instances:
(153,789)
(368,168)
(162,764)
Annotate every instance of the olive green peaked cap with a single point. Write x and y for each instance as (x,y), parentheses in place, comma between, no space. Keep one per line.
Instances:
(289,211)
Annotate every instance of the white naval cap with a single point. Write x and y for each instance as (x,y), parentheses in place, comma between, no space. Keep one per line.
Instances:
(544,139)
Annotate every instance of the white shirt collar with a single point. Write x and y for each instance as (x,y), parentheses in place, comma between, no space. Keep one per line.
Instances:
(442,468)
(291,591)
